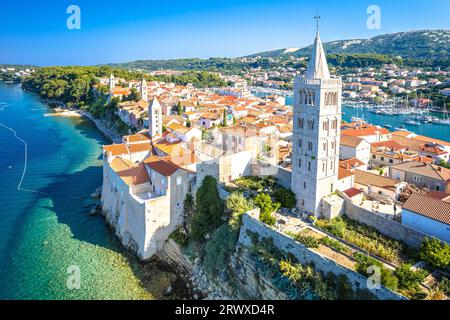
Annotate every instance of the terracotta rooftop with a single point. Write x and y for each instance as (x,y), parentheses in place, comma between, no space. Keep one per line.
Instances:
(433,149)
(171,149)
(366,178)
(344,173)
(161,165)
(367,131)
(407,142)
(212,116)
(444,196)
(352,192)
(431,140)
(139,147)
(129,173)
(139,104)
(424,159)
(350,141)
(138,137)
(401,133)
(428,207)
(178,128)
(351,163)
(390,144)
(424,169)
(116,149)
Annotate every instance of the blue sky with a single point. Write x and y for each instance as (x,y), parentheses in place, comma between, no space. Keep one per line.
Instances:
(35,32)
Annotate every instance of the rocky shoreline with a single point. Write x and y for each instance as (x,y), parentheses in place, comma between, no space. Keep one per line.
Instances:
(102,125)
(163,278)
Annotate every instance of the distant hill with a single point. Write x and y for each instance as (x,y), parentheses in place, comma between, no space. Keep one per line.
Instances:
(425,48)
(423,44)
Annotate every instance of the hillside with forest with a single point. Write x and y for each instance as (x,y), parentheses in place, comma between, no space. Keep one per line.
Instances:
(426,48)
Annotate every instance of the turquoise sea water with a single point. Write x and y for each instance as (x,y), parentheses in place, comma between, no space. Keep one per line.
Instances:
(427,129)
(43,232)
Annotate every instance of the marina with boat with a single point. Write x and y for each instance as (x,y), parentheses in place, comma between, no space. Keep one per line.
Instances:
(427,120)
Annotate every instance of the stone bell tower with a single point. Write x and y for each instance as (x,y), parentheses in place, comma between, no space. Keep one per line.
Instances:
(316,136)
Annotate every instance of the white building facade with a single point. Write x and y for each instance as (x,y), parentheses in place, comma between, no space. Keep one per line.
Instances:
(316,137)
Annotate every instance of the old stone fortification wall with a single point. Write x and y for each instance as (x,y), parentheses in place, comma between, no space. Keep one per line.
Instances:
(304,255)
(203,285)
(390,228)
(262,168)
(238,280)
(225,168)
(252,284)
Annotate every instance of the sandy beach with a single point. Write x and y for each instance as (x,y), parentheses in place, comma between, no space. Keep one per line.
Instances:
(101,124)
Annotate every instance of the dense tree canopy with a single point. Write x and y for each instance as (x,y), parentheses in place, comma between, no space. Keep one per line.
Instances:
(209,209)
(72,84)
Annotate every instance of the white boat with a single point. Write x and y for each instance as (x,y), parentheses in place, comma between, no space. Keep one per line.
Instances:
(412,122)
(445,121)
(357,119)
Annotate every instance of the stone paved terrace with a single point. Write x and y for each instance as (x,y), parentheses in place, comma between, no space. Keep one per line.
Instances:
(384,209)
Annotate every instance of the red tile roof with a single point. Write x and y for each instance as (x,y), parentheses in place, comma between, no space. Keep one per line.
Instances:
(163,167)
(351,163)
(344,173)
(390,144)
(352,192)
(428,207)
(367,131)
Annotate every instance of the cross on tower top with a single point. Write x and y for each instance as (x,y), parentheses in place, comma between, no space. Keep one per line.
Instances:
(317,18)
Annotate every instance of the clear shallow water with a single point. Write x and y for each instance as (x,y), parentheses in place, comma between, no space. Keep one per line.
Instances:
(43,229)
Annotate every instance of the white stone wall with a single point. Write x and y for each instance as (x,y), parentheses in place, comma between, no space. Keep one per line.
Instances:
(315,168)
(144,225)
(345,183)
(226,168)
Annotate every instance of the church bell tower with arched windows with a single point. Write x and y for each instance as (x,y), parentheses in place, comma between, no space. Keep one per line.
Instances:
(316,136)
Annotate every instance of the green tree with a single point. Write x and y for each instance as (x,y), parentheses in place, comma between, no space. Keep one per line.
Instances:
(224,121)
(409,279)
(285,197)
(133,96)
(267,207)
(179,108)
(444,164)
(209,209)
(237,204)
(435,252)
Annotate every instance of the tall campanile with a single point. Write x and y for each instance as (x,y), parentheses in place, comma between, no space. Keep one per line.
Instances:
(316,137)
